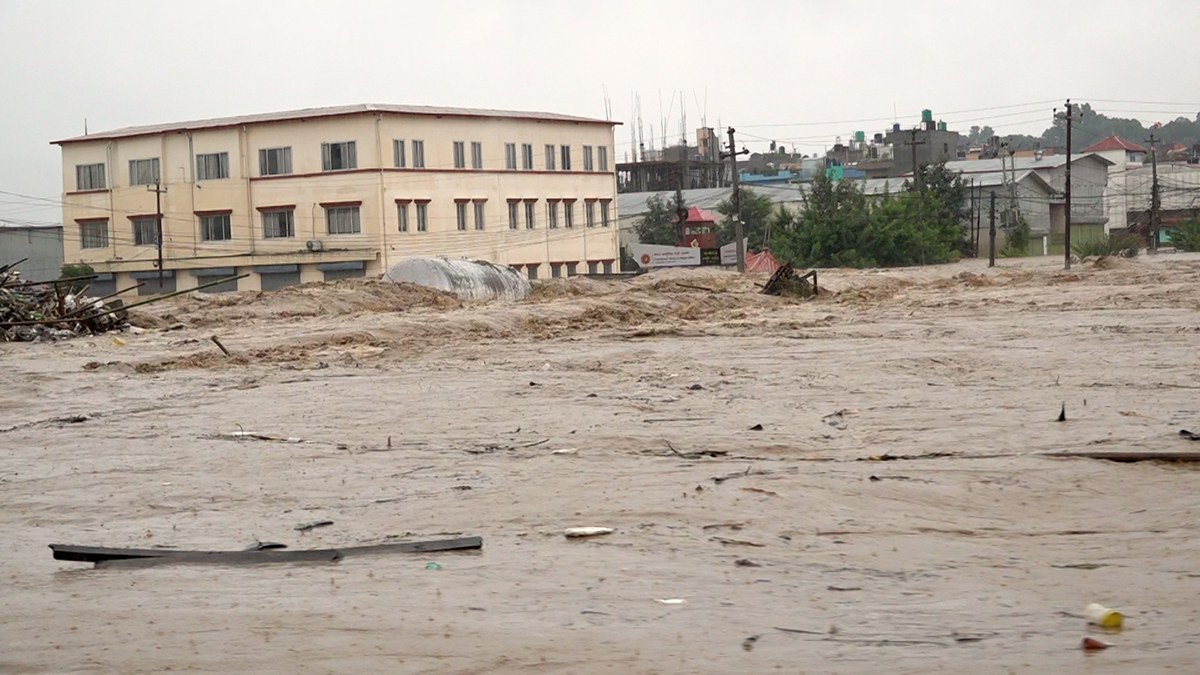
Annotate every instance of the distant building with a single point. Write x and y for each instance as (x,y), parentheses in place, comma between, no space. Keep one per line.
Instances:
(1089,180)
(329,193)
(932,142)
(677,167)
(1125,157)
(41,247)
(1179,192)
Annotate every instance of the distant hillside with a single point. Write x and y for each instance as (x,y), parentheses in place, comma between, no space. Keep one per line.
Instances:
(1096,127)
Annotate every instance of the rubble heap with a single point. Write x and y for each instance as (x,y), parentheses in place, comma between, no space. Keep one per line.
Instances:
(51,311)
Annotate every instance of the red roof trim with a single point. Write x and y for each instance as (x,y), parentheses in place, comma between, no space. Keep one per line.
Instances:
(1115,143)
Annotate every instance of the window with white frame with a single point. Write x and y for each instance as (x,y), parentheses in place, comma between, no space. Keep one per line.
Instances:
(587,158)
(460,155)
(602,155)
(590,213)
(418,155)
(338,156)
(278,224)
(476,155)
(402,216)
(460,212)
(551,214)
(274,161)
(514,215)
(89,177)
(398,154)
(549,157)
(479,215)
(145,231)
(341,220)
(604,212)
(569,214)
(566,158)
(93,234)
(212,166)
(143,171)
(422,216)
(215,227)
(530,215)
(510,156)
(527,156)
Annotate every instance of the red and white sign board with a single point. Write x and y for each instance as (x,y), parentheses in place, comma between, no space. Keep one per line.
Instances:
(649,256)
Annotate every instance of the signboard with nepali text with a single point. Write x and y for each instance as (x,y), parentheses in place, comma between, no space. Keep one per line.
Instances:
(650,255)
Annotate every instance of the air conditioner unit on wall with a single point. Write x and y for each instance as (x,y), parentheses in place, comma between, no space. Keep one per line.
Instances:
(314,245)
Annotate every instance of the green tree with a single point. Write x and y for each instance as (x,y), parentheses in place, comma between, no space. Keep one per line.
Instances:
(659,225)
(71,270)
(757,211)
(1186,237)
(842,227)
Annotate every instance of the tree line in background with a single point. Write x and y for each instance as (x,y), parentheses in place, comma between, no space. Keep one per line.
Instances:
(840,226)
(1092,127)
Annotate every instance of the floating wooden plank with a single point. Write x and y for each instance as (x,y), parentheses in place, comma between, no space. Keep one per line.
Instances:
(1119,456)
(95,554)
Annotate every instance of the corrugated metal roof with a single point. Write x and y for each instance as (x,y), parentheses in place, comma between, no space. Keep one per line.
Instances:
(1020,163)
(333,111)
(634,203)
(877,186)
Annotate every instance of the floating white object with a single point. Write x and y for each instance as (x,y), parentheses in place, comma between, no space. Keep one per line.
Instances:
(1100,615)
(671,601)
(575,532)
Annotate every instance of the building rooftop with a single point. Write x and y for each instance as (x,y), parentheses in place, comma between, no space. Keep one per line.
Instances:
(1019,163)
(333,111)
(1115,143)
(697,215)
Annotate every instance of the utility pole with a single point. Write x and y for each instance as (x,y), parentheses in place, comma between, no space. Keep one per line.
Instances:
(971,221)
(912,146)
(992,231)
(1068,116)
(1155,203)
(158,191)
(738,231)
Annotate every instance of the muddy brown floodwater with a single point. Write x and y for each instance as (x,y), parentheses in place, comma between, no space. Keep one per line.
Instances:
(626,405)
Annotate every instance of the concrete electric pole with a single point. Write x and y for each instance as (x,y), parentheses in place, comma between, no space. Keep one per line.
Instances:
(738,230)
(158,191)
(1155,199)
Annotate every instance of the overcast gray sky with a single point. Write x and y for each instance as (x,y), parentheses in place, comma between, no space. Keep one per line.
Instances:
(797,71)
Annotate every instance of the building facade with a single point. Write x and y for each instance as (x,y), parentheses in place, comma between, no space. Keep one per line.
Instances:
(40,248)
(330,193)
(1126,157)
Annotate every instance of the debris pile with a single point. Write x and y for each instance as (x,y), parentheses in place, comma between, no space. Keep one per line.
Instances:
(785,281)
(32,311)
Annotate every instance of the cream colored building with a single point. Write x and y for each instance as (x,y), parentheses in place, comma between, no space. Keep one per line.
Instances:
(329,193)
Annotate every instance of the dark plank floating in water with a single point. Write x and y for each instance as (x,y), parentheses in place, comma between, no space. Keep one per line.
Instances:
(139,556)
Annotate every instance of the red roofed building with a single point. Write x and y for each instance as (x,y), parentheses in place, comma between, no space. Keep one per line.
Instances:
(1125,156)
(700,229)
(1114,147)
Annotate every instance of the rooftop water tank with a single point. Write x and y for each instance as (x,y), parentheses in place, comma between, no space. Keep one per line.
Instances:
(927,115)
(941,126)
(896,128)
(860,136)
